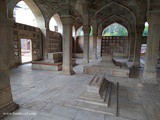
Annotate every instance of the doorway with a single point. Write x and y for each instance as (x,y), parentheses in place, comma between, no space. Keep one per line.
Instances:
(26,50)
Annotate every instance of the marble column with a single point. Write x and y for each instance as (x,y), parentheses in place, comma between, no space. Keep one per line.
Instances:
(67,22)
(132,47)
(6,101)
(139,30)
(94,55)
(86,30)
(150,69)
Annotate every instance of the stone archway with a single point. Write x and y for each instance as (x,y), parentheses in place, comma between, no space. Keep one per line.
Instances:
(57,19)
(117,19)
(120,11)
(34,8)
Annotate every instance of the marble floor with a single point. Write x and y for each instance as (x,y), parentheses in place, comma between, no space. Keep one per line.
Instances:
(44,95)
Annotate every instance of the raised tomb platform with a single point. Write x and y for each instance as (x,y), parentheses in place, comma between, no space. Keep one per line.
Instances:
(52,63)
(113,67)
(100,96)
(43,65)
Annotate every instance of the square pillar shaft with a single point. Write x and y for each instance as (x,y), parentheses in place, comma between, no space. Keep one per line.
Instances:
(139,29)
(86,30)
(6,102)
(67,22)
(94,55)
(150,69)
(132,47)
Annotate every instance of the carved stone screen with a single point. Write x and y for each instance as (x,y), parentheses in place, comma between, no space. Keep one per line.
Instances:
(54,42)
(21,31)
(114,44)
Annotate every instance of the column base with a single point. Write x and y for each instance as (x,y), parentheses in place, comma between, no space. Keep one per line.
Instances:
(149,78)
(8,109)
(68,72)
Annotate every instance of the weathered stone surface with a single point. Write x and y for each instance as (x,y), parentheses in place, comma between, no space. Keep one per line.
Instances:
(98,96)
(54,57)
(43,65)
(110,68)
(6,101)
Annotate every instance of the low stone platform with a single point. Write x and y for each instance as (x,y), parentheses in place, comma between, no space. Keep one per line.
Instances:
(100,96)
(43,65)
(54,57)
(107,67)
(120,63)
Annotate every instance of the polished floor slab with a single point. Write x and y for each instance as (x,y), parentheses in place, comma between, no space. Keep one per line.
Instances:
(44,95)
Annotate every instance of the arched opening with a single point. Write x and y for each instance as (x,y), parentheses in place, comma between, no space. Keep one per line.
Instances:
(80,41)
(144,43)
(145,32)
(115,29)
(81,33)
(115,41)
(55,24)
(73,31)
(23,14)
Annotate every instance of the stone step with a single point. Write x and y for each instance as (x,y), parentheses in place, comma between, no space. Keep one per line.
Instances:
(96,99)
(90,104)
(108,94)
(96,84)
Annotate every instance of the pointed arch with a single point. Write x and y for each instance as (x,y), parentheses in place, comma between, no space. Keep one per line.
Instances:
(116,19)
(123,31)
(119,10)
(58,22)
(34,8)
(113,2)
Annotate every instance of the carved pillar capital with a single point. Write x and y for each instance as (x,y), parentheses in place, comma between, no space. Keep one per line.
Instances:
(86,29)
(67,19)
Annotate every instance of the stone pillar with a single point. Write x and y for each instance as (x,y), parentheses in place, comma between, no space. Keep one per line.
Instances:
(100,30)
(94,55)
(45,39)
(67,22)
(86,30)
(139,29)
(6,101)
(10,24)
(150,69)
(75,43)
(132,47)
(128,44)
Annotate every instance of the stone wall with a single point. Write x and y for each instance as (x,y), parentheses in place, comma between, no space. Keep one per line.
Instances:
(21,31)
(79,44)
(54,42)
(114,44)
